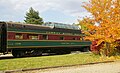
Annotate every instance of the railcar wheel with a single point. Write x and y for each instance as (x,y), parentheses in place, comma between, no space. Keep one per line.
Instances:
(86,49)
(18,53)
(68,52)
(62,51)
(37,53)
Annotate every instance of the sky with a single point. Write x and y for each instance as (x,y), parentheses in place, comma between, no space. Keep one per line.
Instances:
(62,11)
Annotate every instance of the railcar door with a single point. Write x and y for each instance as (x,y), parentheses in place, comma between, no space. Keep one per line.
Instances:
(3,37)
(0,37)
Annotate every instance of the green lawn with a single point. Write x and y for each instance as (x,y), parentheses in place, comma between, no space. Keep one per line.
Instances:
(47,61)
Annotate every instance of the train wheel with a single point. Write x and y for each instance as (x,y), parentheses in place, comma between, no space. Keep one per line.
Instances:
(68,52)
(18,53)
(86,49)
(37,53)
(62,51)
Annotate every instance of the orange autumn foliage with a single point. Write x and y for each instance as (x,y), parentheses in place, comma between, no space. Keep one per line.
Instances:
(107,14)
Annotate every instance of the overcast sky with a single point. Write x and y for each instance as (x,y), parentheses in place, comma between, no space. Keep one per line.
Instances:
(64,11)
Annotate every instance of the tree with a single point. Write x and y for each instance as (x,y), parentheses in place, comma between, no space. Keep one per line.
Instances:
(107,14)
(32,17)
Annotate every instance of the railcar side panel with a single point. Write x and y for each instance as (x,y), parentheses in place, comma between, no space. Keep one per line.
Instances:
(45,43)
(49,31)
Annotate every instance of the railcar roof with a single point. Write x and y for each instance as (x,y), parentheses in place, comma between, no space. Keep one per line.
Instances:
(61,25)
(39,27)
(14,23)
(26,26)
(48,25)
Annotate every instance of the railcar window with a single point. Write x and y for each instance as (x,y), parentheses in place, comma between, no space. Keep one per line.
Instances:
(23,26)
(33,36)
(45,37)
(74,38)
(12,25)
(61,38)
(18,36)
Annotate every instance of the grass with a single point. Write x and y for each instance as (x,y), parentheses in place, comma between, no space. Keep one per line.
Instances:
(47,61)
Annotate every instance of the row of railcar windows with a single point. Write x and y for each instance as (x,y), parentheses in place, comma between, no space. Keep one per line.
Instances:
(29,36)
(36,37)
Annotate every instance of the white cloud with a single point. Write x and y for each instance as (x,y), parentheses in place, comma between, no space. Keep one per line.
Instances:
(19,7)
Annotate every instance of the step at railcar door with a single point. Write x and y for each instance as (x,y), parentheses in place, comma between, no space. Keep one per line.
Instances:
(3,37)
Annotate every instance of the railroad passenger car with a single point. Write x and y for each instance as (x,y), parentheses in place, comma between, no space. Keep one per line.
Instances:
(29,39)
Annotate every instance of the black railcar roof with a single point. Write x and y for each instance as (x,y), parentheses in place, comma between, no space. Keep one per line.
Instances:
(39,27)
(26,26)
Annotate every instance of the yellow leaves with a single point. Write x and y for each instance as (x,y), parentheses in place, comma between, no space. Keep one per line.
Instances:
(99,42)
(112,58)
(104,9)
(107,14)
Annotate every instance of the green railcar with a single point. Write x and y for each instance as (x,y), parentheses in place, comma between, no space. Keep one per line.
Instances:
(29,39)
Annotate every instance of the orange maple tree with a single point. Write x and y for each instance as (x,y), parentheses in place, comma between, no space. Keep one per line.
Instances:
(106,13)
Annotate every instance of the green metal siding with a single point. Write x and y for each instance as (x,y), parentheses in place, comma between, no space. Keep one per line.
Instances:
(40,31)
(39,44)
(24,30)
